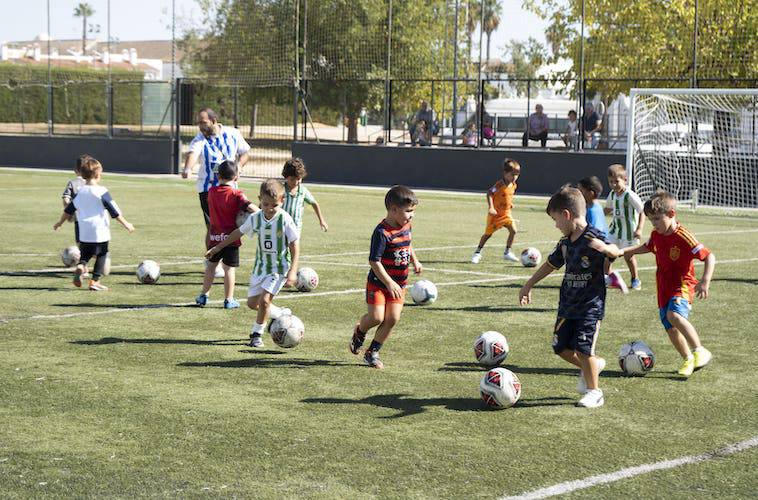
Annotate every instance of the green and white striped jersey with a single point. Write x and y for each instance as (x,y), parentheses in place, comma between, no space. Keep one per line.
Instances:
(274,237)
(626,208)
(294,203)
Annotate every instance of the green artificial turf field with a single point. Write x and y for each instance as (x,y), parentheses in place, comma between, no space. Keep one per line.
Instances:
(133,393)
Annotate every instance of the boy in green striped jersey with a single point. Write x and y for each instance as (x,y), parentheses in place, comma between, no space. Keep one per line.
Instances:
(277,240)
(628,218)
(296,195)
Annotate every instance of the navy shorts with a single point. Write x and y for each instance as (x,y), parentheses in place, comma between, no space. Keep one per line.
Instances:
(576,335)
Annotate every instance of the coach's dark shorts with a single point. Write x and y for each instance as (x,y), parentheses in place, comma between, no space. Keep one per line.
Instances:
(230,255)
(576,335)
(204,206)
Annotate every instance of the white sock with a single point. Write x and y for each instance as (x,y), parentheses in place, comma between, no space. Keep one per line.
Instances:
(274,312)
(698,349)
(257,328)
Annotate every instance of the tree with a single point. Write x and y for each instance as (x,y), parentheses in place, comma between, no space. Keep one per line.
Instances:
(643,39)
(84,10)
(492,12)
(523,59)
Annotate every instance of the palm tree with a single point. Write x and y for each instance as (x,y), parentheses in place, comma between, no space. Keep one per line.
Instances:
(492,11)
(84,10)
(472,21)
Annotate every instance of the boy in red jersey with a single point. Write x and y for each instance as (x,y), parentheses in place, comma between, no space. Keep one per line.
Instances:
(675,248)
(224,203)
(391,253)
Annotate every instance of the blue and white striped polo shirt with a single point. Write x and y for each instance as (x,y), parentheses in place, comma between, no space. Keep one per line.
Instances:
(211,151)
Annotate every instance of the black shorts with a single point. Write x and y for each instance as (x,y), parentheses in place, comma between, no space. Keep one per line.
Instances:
(90,250)
(576,335)
(230,256)
(204,206)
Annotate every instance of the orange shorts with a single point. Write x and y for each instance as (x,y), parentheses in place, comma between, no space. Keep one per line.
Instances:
(495,222)
(378,296)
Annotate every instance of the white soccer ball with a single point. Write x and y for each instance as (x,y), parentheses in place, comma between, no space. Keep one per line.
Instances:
(70,256)
(148,272)
(287,331)
(636,358)
(423,292)
(491,349)
(500,388)
(531,257)
(219,272)
(307,279)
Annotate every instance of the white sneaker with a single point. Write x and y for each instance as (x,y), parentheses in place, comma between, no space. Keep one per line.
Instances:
(616,281)
(509,256)
(476,258)
(592,399)
(581,385)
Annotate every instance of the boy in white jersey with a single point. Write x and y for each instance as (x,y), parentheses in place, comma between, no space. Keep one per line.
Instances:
(296,195)
(72,187)
(277,234)
(93,205)
(628,218)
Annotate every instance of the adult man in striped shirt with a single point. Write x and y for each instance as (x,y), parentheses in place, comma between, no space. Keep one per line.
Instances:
(213,145)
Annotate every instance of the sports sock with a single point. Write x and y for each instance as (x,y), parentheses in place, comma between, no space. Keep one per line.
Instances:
(478,250)
(257,329)
(274,312)
(375,346)
(507,249)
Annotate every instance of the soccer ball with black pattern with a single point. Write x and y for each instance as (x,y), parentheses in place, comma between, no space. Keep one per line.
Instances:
(636,358)
(423,292)
(148,272)
(491,349)
(531,257)
(287,331)
(70,256)
(307,279)
(500,388)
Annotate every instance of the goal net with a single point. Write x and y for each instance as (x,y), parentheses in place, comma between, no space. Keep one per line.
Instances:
(701,145)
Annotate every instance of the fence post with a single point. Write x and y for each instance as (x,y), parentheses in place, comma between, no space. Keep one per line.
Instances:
(109,110)
(177,136)
(234,97)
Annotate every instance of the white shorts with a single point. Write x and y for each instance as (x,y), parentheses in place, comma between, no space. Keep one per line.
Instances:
(271,283)
(622,243)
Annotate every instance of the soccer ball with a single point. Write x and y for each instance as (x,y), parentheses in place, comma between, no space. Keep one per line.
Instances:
(491,349)
(423,292)
(148,272)
(219,272)
(531,257)
(242,216)
(70,256)
(500,388)
(287,331)
(636,358)
(307,279)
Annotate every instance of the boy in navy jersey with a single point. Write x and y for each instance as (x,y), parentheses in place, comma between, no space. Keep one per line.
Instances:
(582,250)
(390,254)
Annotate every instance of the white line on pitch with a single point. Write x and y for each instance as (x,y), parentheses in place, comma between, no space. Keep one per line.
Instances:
(588,482)
(433,269)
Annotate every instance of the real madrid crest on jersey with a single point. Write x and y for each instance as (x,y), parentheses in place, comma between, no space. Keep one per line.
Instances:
(585,262)
(674,253)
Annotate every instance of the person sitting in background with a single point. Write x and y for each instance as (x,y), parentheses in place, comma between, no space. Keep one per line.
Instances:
(571,133)
(423,138)
(592,125)
(537,127)
(425,115)
(468,137)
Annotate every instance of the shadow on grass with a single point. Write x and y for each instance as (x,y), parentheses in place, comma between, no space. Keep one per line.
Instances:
(407,406)
(25,274)
(480,308)
(129,306)
(118,340)
(45,288)
(465,366)
(265,362)
(742,281)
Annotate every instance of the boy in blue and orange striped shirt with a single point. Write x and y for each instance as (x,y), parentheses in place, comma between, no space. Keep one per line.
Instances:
(391,253)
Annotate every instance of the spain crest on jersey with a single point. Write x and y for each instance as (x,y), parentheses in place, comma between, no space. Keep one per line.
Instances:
(674,253)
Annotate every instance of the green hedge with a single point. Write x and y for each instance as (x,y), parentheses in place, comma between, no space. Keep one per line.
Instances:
(79,95)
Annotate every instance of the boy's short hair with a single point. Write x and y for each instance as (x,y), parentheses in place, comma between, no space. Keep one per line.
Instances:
(227,170)
(568,198)
(572,112)
(80,161)
(400,196)
(617,170)
(294,167)
(272,188)
(90,168)
(592,184)
(660,203)
(511,165)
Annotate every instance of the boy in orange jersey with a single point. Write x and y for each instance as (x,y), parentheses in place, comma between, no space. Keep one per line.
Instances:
(675,248)
(499,204)
(391,253)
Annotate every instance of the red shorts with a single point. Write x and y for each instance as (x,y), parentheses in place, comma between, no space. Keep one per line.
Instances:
(378,296)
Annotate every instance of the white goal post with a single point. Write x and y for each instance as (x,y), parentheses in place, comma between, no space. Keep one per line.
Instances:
(701,145)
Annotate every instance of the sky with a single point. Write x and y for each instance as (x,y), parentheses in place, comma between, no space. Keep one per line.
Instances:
(151,19)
